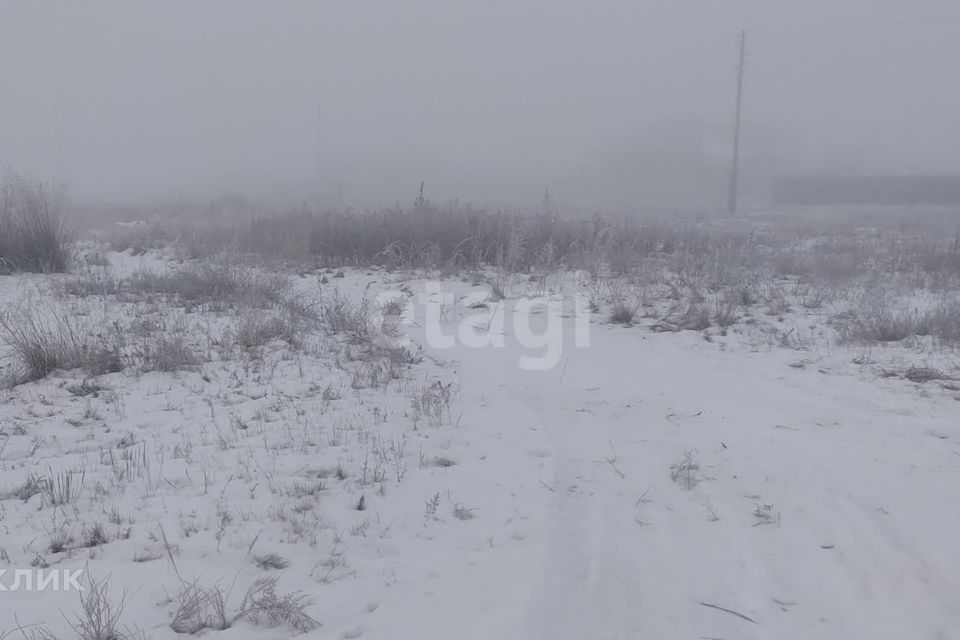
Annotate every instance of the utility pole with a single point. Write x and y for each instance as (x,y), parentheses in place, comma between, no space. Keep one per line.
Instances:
(322,192)
(734,172)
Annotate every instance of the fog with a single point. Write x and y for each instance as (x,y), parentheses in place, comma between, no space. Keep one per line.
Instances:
(610,103)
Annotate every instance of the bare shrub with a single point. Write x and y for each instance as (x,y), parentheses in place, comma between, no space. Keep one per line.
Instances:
(33,232)
(45,338)
(99,617)
(262,605)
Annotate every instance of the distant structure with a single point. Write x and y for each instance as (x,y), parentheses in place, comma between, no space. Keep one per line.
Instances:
(735,168)
(869,190)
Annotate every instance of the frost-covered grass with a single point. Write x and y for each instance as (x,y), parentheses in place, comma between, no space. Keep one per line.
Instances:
(33,230)
(264,452)
(881,275)
(238,395)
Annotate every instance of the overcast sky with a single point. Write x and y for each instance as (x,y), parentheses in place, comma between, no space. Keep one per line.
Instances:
(488,100)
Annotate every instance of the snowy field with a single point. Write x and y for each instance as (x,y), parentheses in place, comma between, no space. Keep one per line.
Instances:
(404,454)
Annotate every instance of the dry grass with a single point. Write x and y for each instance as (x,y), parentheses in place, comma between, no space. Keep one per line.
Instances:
(712,273)
(432,402)
(258,329)
(341,315)
(33,231)
(686,471)
(884,318)
(92,281)
(271,561)
(165,353)
(99,617)
(200,608)
(622,313)
(624,304)
(148,336)
(45,338)
(215,284)
(62,488)
(262,605)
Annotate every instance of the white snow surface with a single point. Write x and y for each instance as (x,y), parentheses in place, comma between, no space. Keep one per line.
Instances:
(822,500)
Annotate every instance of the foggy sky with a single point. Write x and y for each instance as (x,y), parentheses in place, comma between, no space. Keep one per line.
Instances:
(489,101)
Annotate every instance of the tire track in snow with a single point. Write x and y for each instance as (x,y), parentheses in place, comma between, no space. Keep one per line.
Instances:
(587,586)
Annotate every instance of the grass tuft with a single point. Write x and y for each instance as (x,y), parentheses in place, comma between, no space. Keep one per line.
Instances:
(45,338)
(33,231)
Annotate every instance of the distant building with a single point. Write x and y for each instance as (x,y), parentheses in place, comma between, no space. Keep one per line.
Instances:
(868,190)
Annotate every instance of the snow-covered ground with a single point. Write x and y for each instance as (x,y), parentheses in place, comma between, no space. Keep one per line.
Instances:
(645,485)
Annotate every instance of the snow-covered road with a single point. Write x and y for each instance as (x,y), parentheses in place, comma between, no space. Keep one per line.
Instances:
(816,502)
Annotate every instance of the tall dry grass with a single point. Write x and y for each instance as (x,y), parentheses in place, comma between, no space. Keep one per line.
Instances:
(47,337)
(33,232)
